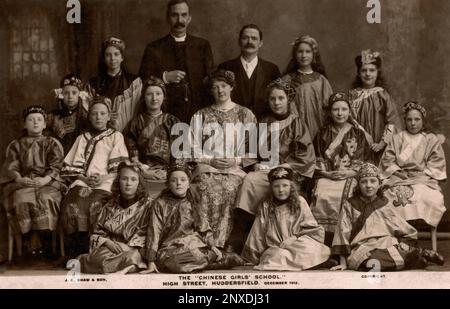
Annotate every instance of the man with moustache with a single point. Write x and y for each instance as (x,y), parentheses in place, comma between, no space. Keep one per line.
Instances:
(252,73)
(181,60)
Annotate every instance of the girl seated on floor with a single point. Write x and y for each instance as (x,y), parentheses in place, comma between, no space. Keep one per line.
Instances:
(30,173)
(285,235)
(370,228)
(121,227)
(173,245)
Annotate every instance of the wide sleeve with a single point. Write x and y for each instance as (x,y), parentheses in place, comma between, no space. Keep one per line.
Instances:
(435,161)
(256,240)
(75,160)
(327,91)
(125,105)
(388,162)
(154,230)
(55,157)
(119,153)
(139,237)
(307,225)
(11,166)
(301,156)
(100,234)
(392,118)
(342,233)
(319,151)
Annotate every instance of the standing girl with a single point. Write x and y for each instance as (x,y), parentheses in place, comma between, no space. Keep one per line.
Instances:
(305,73)
(372,105)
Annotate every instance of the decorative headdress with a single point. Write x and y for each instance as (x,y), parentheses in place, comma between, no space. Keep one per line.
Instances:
(222,75)
(33,110)
(71,80)
(368,170)
(112,41)
(279,83)
(414,105)
(154,81)
(338,96)
(101,100)
(128,164)
(368,57)
(308,40)
(281,172)
(179,165)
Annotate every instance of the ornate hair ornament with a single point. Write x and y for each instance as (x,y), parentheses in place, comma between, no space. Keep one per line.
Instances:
(156,82)
(368,170)
(308,40)
(112,41)
(338,96)
(414,105)
(368,57)
(281,173)
(101,100)
(33,110)
(279,83)
(179,165)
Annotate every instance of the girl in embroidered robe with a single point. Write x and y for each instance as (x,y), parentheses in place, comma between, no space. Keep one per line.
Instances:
(294,147)
(412,166)
(341,147)
(30,175)
(372,105)
(220,170)
(174,243)
(306,74)
(285,235)
(91,167)
(116,83)
(149,137)
(371,233)
(120,231)
(69,120)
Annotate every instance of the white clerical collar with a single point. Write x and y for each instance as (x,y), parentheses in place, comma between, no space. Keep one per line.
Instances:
(180,39)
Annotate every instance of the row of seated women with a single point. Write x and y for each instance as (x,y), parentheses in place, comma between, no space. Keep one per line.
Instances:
(37,168)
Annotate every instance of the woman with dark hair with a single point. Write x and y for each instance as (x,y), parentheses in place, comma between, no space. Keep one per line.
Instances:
(220,164)
(306,74)
(91,167)
(372,105)
(149,136)
(341,147)
(285,235)
(70,118)
(116,83)
(371,229)
(121,227)
(412,165)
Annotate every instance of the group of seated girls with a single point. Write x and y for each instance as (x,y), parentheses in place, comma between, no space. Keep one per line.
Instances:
(125,205)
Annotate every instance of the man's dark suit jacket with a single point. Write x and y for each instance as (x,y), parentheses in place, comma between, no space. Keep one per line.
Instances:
(184,99)
(265,73)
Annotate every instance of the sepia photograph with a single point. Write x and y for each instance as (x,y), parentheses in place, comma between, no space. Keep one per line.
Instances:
(224,144)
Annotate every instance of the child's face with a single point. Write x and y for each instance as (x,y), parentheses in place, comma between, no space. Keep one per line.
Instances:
(281,189)
(278,101)
(70,96)
(179,183)
(113,58)
(99,116)
(368,74)
(154,98)
(414,122)
(128,181)
(304,55)
(340,112)
(369,186)
(35,124)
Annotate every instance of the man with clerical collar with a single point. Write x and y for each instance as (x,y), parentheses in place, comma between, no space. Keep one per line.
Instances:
(252,73)
(181,60)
